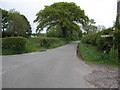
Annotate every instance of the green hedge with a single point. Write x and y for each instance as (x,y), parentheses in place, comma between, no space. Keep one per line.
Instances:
(48,41)
(14,43)
(18,43)
(91,39)
(103,43)
(117,41)
(110,45)
(43,41)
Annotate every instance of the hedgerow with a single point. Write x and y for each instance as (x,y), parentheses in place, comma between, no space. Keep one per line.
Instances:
(48,41)
(110,45)
(44,41)
(117,41)
(14,43)
(21,44)
(103,43)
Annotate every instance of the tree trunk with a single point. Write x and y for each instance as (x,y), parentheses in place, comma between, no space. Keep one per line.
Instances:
(3,33)
(64,33)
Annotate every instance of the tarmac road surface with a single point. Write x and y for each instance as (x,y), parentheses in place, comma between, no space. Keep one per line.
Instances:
(54,68)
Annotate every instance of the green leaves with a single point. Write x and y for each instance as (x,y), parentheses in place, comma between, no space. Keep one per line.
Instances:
(4,21)
(63,14)
(15,24)
(102,43)
(14,43)
(89,26)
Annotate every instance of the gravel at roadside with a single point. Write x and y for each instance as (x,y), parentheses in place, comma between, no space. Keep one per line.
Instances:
(103,76)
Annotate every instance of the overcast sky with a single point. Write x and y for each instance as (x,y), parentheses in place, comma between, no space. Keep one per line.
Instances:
(102,11)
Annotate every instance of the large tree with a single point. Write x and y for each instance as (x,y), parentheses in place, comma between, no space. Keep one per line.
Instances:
(54,32)
(18,25)
(28,27)
(89,26)
(14,24)
(63,14)
(75,33)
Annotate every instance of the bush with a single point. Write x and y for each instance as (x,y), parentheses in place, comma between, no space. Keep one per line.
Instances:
(14,43)
(18,45)
(90,39)
(43,41)
(103,43)
(94,38)
(113,54)
(117,41)
(48,41)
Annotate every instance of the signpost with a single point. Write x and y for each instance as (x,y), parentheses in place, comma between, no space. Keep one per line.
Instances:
(106,35)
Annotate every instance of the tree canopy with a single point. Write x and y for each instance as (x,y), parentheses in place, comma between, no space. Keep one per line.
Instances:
(15,24)
(63,14)
(89,27)
(4,19)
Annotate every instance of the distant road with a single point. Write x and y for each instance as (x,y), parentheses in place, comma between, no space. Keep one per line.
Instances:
(55,68)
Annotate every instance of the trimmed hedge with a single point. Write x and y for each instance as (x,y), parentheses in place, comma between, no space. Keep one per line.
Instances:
(14,43)
(18,43)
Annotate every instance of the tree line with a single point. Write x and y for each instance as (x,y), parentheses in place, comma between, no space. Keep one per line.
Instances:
(62,20)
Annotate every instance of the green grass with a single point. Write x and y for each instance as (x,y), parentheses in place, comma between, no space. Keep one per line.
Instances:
(59,44)
(92,54)
(9,52)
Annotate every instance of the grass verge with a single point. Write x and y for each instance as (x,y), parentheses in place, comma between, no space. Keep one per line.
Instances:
(92,54)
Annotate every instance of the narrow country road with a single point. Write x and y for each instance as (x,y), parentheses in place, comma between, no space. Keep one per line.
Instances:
(55,68)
